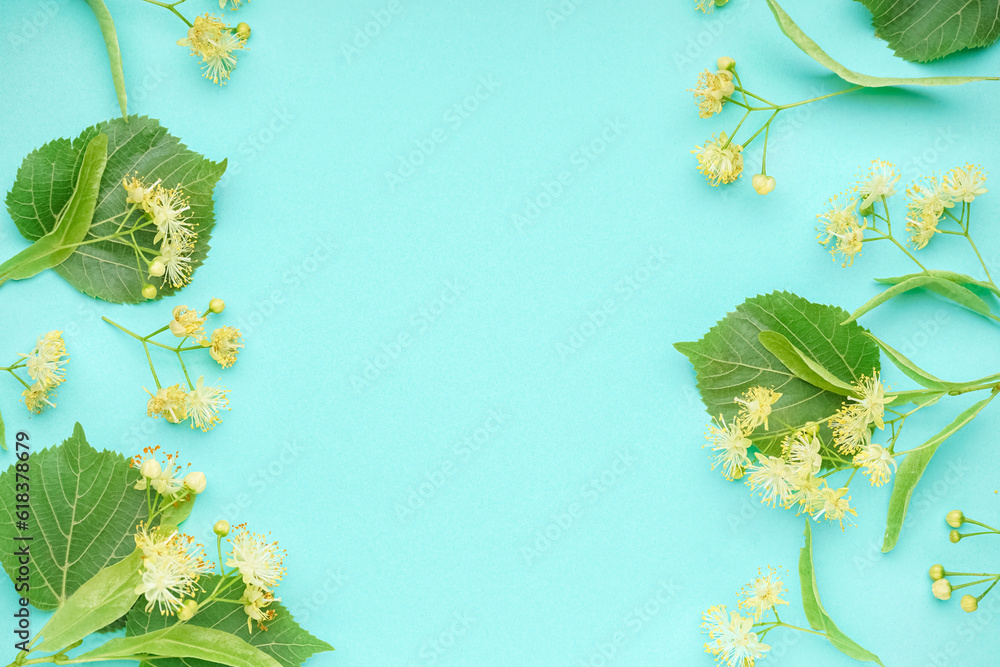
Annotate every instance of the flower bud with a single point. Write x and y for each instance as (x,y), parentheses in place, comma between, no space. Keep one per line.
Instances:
(195,481)
(150,469)
(762,183)
(719,3)
(216,306)
(243,31)
(937,572)
(969,603)
(726,63)
(955,536)
(955,518)
(941,589)
(187,611)
(221,528)
(157,268)
(149,291)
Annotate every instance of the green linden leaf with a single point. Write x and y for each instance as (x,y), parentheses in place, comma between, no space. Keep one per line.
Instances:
(924,30)
(110,269)
(84,510)
(730,359)
(284,640)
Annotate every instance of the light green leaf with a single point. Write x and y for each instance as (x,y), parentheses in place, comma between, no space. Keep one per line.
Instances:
(801,365)
(817,616)
(73,221)
(84,511)
(178,510)
(957,278)
(730,359)
(114,53)
(285,640)
(910,369)
(3,434)
(99,602)
(912,469)
(812,49)
(930,29)
(109,269)
(921,397)
(186,641)
(961,295)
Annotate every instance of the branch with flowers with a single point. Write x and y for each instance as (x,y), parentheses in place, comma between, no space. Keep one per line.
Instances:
(720,158)
(942,588)
(141,574)
(737,640)
(45,368)
(198,403)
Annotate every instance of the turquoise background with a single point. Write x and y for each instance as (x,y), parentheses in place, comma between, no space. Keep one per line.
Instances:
(481,401)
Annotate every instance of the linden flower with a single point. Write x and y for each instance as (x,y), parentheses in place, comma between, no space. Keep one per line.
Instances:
(922,230)
(733,644)
(204,404)
(259,561)
(136,193)
(235,4)
(878,463)
(834,505)
(172,571)
(166,208)
(872,399)
(773,478)
(755,407)
(880,181)
(186,323)
(732,444)
(214,42)
(36,398)
(850,428)
(225,345)
(175,255)
(928,198)
(169,482)
(806,494)
(45,362)
(802,450)
(840,217)
(965,183)
(712,91)
(720,160)
(255,601)
(849,243)
(763,593)
(169,403)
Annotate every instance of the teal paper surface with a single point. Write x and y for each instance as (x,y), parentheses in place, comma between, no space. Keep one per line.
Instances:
(461,239)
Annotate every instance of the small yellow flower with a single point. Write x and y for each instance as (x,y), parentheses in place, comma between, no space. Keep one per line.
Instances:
(169,403)
(755,407)
(878,463)
(204,404)
(137,193)
(965,183)
(928,198)
(763,593)
(175,256)
(872,399)
(850,428)
(835,505)
(225,345)
(37,398)
(260,562)
(849,243)
(712,91)
(45,362)
(880,181)
(255,601)
(803,452)
(774,479)
(166,208)
(922,229)
(214,42)
(720,160)
(840,216)
(235,4)
(186,323)
(731,443)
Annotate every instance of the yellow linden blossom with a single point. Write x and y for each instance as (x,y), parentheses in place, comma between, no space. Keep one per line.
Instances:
(720,160)
(214,42)
(235,4)
(712,91)
(806,494)
(849,243)
(803,452)
(137,193)
(45,362)
(922,229)
(965,183)
(169,403)
(260,562)
(872,399)
(37,398)
(732,642)
(880,181)
(731,443)
(186,323)
(204,403)
(928,198)
(763,593)
(878,463)
(171,567)
(169,482)
(774,479)
(840,216)
(255,600)
(834,504)
(225,345)
(175,255)
(850,428)
(755,407)
(167,207)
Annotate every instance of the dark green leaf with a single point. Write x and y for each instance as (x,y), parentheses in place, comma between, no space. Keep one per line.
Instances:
(924,30)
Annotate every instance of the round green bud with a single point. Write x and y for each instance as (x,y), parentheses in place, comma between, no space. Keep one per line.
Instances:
(221,528)
(216,305)
(195,481)
(157,268)
(243,31)
(149,291)
(937,572)
(726,63)
(941,589)
(955,518)
(955,536)
(969,603)
(187,611)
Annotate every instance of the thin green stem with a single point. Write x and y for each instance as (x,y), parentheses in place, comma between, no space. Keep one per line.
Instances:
(979,523)
(184,368)
(151,368)
(18,378)
(172,7)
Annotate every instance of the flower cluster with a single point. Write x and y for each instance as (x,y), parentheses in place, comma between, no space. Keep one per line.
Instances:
(165,209)
(196,402)
(852,219)
(45,366)
(260,564)
(794,478)
(165,478)
(942,588)
(210,39)
(732,636)
(171,566)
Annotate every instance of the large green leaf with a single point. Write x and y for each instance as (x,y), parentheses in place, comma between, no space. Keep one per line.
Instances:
(730,358)
(912,469)
(109,269)
(813,50)
(924,30)
(818,619)
(84,511)
(284,640)
(184,641)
